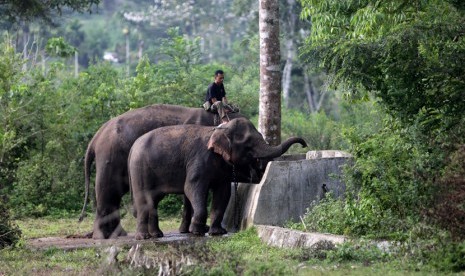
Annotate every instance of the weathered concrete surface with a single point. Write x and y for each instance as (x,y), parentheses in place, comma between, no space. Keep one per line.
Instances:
(282,237)
(318,154)
(286,190)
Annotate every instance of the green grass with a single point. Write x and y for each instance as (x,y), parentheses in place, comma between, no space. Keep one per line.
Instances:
(52,227)
(240,254)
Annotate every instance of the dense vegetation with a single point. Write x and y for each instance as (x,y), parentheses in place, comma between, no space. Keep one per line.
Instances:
(408,177)
(388,77)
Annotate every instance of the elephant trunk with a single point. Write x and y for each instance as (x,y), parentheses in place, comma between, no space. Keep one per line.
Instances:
(266,151)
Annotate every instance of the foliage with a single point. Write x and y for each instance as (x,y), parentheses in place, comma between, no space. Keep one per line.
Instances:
(451,257)
(15,11)
(318,130)
(11,100)
(408,56)
(449,208)
(326,216)
(9,232)
(58,47)
(388,184)
(47,119)
(170,206)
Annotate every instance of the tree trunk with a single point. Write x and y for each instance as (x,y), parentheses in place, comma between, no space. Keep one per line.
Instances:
(269,121)
(287,71)
(76,64)
(127,53)
(314,98)
(309,91)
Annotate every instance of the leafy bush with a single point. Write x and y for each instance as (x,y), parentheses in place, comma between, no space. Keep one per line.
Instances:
(414,68)
(364,252)
(449,207)
(386,189)
(319,131)
(327,216)
(170,205)
(9,232)
(450,257)
(44,186)
(389,185)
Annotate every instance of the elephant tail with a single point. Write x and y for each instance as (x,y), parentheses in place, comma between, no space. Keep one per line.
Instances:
(90,156)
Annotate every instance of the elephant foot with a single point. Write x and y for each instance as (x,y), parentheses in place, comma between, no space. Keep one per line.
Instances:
(98,234)
(216,231)
(156,234)
(184,228)
(123,233)
(142,236)
(118,232)
(198,229)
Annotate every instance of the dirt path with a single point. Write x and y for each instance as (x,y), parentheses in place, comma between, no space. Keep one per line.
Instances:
(75,243)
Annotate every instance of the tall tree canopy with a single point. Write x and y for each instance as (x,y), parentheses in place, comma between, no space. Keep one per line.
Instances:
(410,54)
(19,10)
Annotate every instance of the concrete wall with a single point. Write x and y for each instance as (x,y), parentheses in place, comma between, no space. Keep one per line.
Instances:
(287,189)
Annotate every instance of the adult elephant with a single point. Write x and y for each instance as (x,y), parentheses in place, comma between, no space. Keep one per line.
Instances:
(193,160)
(110,147)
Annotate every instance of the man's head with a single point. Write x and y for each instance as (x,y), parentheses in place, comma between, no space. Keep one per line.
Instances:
(219,76)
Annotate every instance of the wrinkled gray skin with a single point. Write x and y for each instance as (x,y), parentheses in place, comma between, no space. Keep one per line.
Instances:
(192,160)
(109,148)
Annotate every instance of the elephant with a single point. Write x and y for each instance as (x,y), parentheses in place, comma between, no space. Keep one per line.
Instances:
(193,160)
(110,147)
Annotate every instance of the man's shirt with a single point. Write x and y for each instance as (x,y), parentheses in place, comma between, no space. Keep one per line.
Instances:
(215,91)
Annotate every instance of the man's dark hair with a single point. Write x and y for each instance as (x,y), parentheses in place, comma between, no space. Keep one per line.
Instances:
(217,72)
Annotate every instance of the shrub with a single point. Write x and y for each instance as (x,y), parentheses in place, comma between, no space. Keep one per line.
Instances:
(9,232)
(385,196)
(449,208)
(319,131)
(327,215)
(450,257)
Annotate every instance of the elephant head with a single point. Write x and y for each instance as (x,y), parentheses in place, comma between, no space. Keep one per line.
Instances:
(240,144)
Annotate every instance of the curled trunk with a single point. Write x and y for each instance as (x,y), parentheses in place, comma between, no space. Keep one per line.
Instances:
(266,151)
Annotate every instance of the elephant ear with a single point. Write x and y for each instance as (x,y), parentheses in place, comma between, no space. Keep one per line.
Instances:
(220,144)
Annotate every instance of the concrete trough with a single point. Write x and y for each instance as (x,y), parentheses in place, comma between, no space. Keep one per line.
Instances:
(287,190)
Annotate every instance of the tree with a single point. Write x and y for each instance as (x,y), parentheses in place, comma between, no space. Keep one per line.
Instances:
(410,54)
(269,122)
(410,57)
(28,10)
(211,20)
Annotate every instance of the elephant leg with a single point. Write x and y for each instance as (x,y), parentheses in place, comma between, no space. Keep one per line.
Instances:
(107,222)
(198,199)
(154,228)
(220,200)
(186,216)
(142,229)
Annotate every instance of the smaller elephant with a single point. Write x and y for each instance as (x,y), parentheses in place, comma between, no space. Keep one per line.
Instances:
(193,160)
